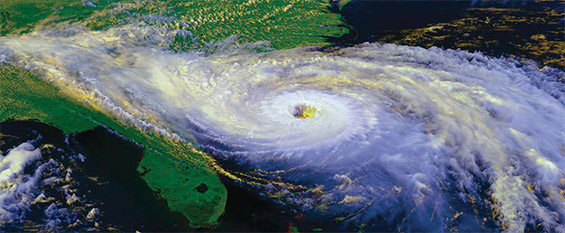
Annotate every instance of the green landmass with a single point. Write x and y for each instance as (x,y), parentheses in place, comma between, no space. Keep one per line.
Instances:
(285,23)
(19,17)
(167,165)
(178,173)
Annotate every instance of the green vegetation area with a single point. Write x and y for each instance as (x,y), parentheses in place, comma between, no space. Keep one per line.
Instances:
(168,166)
(285,23)
(20,17)
(178,173)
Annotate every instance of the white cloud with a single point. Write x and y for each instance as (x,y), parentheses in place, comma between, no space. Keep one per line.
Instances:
(27,193)
(403,123)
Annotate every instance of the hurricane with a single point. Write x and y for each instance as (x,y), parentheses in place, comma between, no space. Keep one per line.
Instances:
(394,136)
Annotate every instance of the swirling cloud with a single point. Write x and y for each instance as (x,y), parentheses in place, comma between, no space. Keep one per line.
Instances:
(398,136)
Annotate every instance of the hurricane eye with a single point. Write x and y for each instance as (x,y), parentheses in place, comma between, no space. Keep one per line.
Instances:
(303,111)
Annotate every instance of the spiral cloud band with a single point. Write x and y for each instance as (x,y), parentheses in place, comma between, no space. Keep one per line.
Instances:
(422,139)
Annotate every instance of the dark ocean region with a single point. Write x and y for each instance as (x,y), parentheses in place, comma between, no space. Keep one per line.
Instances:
(105,178)
(520,29)
(88,182)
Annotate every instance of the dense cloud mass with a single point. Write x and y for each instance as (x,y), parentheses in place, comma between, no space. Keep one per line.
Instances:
(14,197)
(40,193)
(422,139)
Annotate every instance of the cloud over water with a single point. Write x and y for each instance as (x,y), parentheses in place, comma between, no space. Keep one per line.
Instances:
(398,136)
